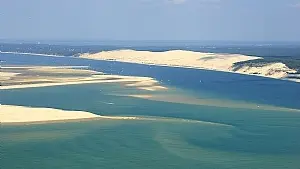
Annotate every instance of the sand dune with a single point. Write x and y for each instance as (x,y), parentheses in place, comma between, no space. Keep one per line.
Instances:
(21,114)
(273,70)
(175,58)
(196,60)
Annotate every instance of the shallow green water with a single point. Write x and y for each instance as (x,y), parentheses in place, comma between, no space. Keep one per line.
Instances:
(233,138)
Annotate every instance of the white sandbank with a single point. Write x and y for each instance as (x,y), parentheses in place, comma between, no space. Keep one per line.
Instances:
(26,80)
(62,70)
(196,60)
(21,114)
(82,81)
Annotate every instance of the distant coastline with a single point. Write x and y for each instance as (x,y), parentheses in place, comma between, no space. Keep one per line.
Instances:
(34,54)
(284,69)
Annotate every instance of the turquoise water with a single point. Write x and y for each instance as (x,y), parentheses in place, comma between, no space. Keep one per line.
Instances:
(219,84)
(131,144)
(233,138)
(230,133)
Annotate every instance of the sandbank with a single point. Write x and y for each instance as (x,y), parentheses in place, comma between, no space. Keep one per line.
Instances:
(192,100)
(13,77)
(20,114)
(153,88)
(147,84)
(7,75)
(82,81)
(62,70)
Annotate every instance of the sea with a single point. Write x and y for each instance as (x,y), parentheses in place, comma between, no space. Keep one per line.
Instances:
(206,120)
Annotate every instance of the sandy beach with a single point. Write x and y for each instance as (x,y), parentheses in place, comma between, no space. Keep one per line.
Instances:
(19,114)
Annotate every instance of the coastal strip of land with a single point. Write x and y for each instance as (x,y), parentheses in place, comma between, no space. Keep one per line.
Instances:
(32,54)
(197,60)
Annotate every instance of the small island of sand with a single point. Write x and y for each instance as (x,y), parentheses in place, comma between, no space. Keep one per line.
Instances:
(11,114)
(14,77)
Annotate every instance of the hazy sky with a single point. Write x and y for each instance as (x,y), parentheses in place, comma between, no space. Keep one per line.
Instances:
(246,20)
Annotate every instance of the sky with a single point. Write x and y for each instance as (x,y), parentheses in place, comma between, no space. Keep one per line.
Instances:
(201,20)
